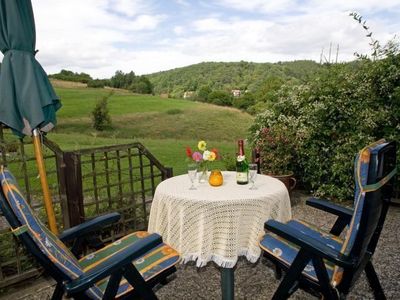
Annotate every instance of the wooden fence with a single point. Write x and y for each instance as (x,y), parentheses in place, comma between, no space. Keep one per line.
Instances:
(84,184)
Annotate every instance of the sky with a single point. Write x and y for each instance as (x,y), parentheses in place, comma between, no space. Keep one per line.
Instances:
(146,36)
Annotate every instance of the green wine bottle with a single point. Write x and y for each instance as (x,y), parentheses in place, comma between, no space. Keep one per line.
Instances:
(242,166)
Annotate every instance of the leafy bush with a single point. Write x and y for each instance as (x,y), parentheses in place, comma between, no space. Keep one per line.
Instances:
(244,102)
(100,114)
(137,84)
(141,85)
(220,98)
(335,115)
(277,147)
(97,83)
(203,92)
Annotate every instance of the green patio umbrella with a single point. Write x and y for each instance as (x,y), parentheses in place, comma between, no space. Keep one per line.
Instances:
(28,103)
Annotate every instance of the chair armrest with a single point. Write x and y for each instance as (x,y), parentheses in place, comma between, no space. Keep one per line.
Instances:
(330,207)
(88,227)
(113,264)
(310,244)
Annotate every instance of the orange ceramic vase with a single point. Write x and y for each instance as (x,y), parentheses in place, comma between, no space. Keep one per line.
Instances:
(216,178)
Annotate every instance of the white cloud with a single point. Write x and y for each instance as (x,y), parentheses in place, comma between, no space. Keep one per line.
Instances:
(183,2)
(308,6)
(84,35)
(259,5)
(179,30)
(128,7)
(351,5)
(146,22)
(102,36)
(299,37)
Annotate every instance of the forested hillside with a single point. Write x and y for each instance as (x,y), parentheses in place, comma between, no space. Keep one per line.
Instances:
(245,85)
(227,76)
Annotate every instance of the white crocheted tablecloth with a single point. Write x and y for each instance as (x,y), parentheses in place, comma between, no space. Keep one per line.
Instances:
(217,223)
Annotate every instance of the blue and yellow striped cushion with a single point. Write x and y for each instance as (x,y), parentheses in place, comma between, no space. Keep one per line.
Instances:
(361,169)
(149,265)
(48,243)
(286,252)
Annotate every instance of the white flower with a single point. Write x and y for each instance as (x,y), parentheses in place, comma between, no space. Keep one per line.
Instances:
(206,155)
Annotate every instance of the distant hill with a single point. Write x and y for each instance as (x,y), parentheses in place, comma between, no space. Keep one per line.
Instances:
(229,75)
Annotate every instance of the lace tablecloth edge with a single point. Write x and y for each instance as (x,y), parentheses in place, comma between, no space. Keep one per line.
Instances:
(219,260)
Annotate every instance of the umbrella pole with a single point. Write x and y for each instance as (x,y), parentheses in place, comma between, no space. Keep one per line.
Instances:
(43,180)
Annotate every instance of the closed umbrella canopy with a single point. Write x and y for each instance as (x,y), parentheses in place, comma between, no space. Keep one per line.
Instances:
(27,99)
(28,102)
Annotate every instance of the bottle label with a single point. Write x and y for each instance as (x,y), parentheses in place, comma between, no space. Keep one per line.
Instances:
(241,158)
(241,177)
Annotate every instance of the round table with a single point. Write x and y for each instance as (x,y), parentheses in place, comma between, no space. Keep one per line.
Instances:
(217,224)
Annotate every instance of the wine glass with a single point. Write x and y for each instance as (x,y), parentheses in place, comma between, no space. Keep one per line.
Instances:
(252,175)
(192,172)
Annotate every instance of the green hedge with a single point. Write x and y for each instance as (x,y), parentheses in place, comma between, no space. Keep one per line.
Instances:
(335,114)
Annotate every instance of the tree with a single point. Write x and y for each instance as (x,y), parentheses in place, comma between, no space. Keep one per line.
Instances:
(268,89)
(222,98)
(202,94)
(244,102)
(118,80)
(141,85)
(97,83)
(100,114)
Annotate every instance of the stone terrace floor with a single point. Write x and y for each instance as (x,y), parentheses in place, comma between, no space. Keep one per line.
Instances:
(257,281)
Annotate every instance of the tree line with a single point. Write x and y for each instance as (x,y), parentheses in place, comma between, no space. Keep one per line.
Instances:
(129,81)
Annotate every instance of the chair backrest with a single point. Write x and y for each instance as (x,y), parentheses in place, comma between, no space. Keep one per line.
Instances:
(375,167)
(46,247)
(378,191)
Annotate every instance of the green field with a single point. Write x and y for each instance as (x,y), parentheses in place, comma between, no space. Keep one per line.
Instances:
(164,126)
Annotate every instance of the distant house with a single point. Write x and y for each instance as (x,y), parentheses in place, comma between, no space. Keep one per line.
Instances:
(236,93)
(188,94)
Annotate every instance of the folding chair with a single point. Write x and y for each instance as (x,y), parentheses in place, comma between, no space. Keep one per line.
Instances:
(318,261)
(126,268)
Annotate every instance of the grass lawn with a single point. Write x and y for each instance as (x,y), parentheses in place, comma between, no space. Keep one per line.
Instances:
(170,152)
(164,126)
